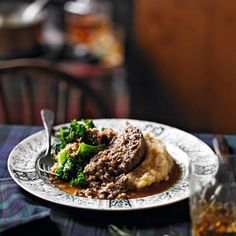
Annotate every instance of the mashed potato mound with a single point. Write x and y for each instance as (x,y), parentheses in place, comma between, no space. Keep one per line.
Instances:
(154,168)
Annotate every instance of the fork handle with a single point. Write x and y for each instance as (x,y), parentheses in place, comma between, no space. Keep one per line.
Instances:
(221,148)
(48,120)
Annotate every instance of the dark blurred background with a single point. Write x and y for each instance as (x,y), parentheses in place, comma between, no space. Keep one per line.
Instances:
(179,62)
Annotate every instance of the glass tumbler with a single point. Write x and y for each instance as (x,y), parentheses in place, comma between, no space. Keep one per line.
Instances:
(212,199)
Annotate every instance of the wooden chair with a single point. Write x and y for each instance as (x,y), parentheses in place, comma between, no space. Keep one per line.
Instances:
(28,85)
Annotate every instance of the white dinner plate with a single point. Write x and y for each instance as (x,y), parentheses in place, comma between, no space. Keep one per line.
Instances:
(183,147)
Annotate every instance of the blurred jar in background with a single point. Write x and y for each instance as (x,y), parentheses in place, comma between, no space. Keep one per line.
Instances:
(91,33)
(17,37)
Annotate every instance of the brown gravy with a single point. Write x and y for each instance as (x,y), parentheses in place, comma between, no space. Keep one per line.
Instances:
(155,188)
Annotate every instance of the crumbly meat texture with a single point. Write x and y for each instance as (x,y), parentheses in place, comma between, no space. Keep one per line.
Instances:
(106,171)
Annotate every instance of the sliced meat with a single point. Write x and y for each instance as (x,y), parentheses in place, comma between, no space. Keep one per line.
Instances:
(123,155)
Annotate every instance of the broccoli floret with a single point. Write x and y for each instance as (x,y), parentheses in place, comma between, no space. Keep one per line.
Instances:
(91,139)
(67,170)
(79,180)
(59,171)
(77,130)
(71,169)
(88,123)
(70,134)
(85,150)
(63,156)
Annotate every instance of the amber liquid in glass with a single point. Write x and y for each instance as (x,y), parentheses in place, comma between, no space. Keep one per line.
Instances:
(214,220)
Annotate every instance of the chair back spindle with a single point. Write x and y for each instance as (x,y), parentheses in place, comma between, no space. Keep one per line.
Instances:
(27,86)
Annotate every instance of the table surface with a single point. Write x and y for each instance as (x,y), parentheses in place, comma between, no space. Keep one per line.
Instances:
(168,220)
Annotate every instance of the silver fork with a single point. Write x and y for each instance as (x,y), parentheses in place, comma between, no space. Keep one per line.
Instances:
(45,161)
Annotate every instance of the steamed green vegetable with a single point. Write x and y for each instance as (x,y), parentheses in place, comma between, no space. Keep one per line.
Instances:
(88,123)
(74,132)
(79,179)
(66,171)
(70,165)
(86,150)
(63,156)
